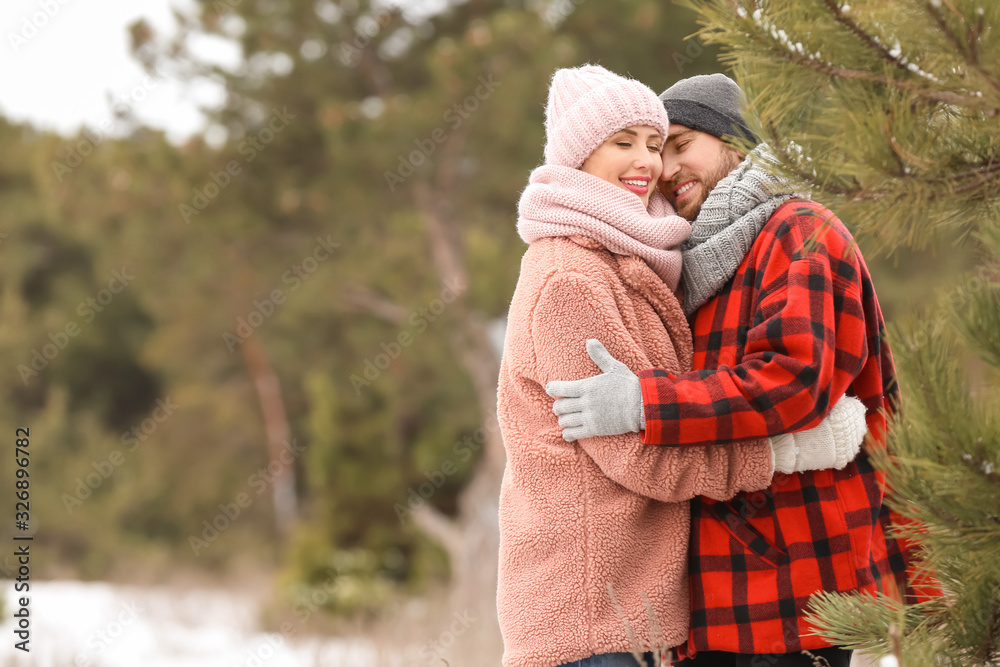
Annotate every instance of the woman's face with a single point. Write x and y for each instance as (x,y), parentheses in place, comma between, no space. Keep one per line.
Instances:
(630,159)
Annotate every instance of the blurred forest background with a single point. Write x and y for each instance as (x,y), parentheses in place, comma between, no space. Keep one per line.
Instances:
(276,351)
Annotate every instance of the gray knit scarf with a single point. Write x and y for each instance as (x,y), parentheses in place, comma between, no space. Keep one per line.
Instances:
(727,225)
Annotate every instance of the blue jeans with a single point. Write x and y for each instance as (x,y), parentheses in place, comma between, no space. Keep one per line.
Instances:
(610,660)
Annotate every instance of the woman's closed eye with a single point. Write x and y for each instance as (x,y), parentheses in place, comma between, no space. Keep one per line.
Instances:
(627,144)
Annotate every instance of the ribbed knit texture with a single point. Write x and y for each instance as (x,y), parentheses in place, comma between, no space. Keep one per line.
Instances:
(587,105)
(727,225)
(708,103)
(833,443)
(561,201)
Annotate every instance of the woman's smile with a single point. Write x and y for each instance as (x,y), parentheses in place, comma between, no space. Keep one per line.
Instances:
(637,184)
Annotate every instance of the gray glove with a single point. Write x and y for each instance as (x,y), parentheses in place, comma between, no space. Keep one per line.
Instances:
(833,443)
(606,404)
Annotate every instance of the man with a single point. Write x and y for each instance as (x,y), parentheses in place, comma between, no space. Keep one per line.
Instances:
(785,323)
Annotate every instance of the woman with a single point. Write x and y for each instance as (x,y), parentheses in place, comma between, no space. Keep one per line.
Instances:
(594,533)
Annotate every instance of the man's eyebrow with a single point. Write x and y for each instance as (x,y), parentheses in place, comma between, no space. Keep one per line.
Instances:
(675,137)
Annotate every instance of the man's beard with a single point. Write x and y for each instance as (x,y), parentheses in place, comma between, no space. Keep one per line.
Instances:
(690,207)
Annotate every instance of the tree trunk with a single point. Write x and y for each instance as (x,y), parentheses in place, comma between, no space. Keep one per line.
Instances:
(278,434)
(472,539)
(272,408)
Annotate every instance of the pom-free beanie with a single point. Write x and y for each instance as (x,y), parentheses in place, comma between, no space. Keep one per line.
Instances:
(708,103)
(587,105)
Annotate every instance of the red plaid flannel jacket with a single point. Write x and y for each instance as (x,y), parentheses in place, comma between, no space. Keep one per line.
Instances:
(797,328)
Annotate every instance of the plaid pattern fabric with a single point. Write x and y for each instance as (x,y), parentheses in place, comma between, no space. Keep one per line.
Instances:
(797,327)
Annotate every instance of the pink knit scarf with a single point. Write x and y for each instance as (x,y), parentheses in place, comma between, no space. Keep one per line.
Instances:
(561,201)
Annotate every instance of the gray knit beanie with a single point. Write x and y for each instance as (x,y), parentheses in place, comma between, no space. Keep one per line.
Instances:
(708,103)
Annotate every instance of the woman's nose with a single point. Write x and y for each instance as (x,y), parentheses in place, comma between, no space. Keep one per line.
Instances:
(655,165)
(647,161)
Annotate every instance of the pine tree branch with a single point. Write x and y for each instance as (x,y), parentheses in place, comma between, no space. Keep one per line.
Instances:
(966,180)
(897,150)
(867,39)
(968,48)
(989,168)
(903,156)
(980,466)
(790,164)
(957,524)
(960,183)
(972,37)
(978,177)
(942,96)
(989,655)
(944,27)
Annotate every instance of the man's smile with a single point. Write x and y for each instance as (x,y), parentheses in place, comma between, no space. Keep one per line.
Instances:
(683,189)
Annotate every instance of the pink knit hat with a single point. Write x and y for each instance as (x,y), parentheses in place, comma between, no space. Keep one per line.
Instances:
(587,105)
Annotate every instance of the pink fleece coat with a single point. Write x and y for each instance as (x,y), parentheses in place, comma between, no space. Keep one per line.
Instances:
(590,529)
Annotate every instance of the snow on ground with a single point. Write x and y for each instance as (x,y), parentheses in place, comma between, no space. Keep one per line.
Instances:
(81,624)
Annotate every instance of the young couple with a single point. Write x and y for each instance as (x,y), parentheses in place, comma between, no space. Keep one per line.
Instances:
(701,473)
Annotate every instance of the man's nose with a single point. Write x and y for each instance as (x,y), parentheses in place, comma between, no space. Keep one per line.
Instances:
(670,169)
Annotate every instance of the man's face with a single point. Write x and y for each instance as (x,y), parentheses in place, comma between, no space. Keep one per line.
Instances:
(693,163)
